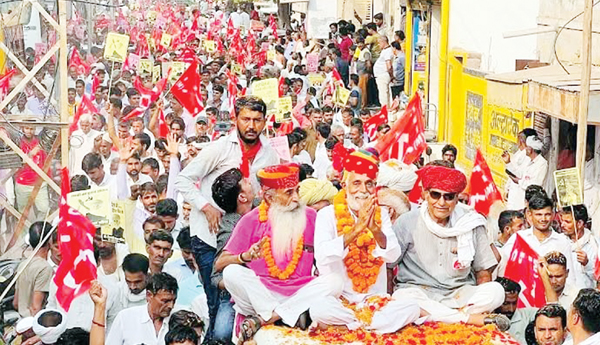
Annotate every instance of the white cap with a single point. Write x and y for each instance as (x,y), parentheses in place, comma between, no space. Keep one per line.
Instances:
(534,142)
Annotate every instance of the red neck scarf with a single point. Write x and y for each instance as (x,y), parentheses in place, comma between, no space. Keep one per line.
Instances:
(248,156)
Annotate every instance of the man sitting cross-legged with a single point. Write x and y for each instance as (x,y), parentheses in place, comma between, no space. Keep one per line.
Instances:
(354,239)
(268,259)
(447,260)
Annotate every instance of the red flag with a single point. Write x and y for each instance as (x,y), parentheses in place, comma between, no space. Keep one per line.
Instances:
(378,119)
(5,82)
(75,60)
(85,107)
(230,30)
(78,267)
(187,90)
(406,139)
(273,26)
(163,129)
(137,112)
(149,96)
(483,190)
(522,268)
(597,269)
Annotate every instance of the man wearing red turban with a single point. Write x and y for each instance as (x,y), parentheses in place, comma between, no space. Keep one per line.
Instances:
(447,260)
(354,239)
(267,262)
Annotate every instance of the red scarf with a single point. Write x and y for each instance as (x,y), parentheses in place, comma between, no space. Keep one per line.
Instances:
(247,157)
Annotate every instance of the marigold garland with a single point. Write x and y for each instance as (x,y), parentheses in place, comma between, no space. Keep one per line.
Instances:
(362,267)
(429,333)
(263,210)
(274,270)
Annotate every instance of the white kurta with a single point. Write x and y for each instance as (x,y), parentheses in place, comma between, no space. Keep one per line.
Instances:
(516,195)
(330,254)
(534,173)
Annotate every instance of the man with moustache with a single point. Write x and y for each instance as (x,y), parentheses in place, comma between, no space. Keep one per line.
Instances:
(354,238)
(269,256)
(447,261)
(244,148)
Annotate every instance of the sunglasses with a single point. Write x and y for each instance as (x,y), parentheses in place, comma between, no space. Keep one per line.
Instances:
(437,195)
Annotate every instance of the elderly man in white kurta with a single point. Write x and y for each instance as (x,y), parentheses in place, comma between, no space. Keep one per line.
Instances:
(354,238)
(535,171)
(516,164)
(447,259)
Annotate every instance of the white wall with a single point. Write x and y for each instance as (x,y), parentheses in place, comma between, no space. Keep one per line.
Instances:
(479,25)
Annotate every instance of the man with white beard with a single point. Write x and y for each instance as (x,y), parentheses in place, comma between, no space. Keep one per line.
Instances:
(269,256)
(82,142)
(354,238)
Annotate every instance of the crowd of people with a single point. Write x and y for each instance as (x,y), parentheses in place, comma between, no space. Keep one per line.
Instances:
(227,234)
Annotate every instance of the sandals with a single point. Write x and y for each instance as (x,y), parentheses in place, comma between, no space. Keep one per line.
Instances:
(249,327)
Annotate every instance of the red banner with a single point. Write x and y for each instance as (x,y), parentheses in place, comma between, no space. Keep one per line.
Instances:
(522,268)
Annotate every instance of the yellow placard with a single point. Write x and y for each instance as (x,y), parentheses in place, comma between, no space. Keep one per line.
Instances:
(115,231)
(92,203)
(316,80)
(341,96)
(210,46)
(267,90)
(115,47)
(568,187)
(284,109)
(165,40)
(271,54)
(145,66)
(236,69)
(156,73)
(357,53)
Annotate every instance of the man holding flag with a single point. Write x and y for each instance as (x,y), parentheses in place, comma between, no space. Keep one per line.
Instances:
(447,262)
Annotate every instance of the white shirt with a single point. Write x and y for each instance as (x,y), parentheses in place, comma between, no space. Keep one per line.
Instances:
(245,20)
(133,326)
(190,124)
(121,251)
(81,144)
(330,252)
(592,340)
(322,162)
(218,157)
(235,19)
(116,184)
(516,195)
(568,295)
(584,275)
(302,158)
(142,178)
(139,217)
(380,68)
(555,242)
(81,311)
(534,173)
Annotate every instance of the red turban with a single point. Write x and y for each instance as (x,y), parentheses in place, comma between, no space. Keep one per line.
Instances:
(279,176)
(445,179)
(362,162)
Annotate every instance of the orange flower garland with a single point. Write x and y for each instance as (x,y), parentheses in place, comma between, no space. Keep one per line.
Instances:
(274,270)
(361,266)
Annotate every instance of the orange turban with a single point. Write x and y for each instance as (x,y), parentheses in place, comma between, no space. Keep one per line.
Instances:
(279,176)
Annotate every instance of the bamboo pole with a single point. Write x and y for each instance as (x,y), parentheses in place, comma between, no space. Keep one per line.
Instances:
(584,94)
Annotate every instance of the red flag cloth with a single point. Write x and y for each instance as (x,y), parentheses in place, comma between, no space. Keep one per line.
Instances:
(5,82)
(597,269)
(375,121)
(137,112)
(187,90)
(75,60)
(230,30)
(163,129)
(85,107)
(149,96)
(78,267)
(522,268)
(406,140)
(247,157)
(483,190)
(273,26)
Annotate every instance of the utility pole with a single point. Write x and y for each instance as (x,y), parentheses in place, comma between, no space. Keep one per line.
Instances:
(584,93)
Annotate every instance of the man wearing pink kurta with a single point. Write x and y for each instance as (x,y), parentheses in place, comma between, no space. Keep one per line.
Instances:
(269,258)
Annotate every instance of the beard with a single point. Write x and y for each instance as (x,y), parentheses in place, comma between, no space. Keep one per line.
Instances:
(287,226)
(357,200)
(247,140)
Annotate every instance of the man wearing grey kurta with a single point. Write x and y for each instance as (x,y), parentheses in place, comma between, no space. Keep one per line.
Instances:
(447,260)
